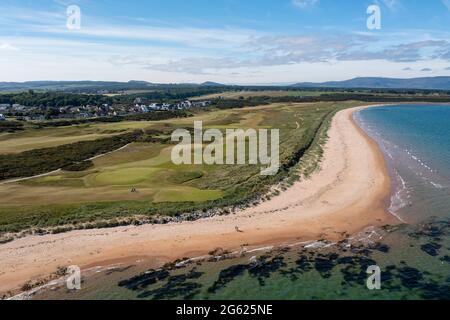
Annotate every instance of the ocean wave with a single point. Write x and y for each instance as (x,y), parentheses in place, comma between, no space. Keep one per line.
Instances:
(400,199)
(437,185)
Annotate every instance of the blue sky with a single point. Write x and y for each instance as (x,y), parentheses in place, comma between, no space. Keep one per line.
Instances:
(229,41)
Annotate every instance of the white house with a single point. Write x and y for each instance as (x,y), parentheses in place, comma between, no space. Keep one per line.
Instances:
(144,108)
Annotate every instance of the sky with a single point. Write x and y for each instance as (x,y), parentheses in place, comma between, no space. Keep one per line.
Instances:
(226,41)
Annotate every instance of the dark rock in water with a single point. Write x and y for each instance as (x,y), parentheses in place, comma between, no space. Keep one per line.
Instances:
(445,259)
(177,286)
(261,269)
(390,267)
(227,275)
(431,248)
(291,273)
(435,291)
(353,276)
(186,290)
(264,267)
(324,264)
(348,260)
(145,279)
(304,264)
(382,247)
(435,229)
(410,277)
(355,271)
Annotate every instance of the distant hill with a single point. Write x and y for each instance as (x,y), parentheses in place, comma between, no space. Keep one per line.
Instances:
(95,86)
(72,85)
(212,84)
(432,83)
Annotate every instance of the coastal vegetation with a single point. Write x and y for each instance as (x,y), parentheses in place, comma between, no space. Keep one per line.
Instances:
(10,126)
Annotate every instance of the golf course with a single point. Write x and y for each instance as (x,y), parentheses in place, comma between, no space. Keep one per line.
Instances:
(139,180)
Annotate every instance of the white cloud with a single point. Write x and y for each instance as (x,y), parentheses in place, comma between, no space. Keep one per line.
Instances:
(8,46)
(391,4)
(304,3)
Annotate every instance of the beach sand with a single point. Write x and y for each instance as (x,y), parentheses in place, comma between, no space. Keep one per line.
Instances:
(348,194)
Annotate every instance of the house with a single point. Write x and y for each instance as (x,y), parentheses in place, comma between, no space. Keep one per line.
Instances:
(201,104)
(144,108)
(35,118)
(4,106)
(2,117)
(184,105)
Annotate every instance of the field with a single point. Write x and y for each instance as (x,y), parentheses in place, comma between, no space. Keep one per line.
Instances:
(141,180)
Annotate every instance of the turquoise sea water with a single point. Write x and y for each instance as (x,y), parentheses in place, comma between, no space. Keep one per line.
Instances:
(416,143)
(414,257)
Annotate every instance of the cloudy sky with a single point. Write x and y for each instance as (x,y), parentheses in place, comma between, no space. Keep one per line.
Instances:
(228,41)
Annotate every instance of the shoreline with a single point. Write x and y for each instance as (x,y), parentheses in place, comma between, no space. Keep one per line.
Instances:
(348,194)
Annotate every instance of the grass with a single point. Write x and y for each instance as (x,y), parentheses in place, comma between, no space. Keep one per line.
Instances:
(127,176)
(103,192)
(32,138)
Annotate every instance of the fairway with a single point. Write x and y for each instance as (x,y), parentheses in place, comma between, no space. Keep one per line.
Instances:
(125,177)
(31,138)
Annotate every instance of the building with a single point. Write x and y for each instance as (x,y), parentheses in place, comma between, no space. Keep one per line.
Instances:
(2,117)
(201,104)
(144,108)
(4,106)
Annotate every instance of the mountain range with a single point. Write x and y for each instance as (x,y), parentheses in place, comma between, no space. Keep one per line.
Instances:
(432,83)
(426,83)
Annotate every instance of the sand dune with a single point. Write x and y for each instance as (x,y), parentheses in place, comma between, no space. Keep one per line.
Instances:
(348,194)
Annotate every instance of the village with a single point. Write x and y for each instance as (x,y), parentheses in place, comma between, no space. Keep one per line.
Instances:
(42,113)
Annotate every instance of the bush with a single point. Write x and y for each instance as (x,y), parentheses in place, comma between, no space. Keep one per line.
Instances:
(79,166)
(10,126)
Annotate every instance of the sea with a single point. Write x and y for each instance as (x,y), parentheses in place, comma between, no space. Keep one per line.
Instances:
(409,260)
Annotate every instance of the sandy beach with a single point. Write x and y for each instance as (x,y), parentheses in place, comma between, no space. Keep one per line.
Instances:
(348,194)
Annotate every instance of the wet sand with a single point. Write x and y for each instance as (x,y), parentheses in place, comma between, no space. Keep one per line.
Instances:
(348,194)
